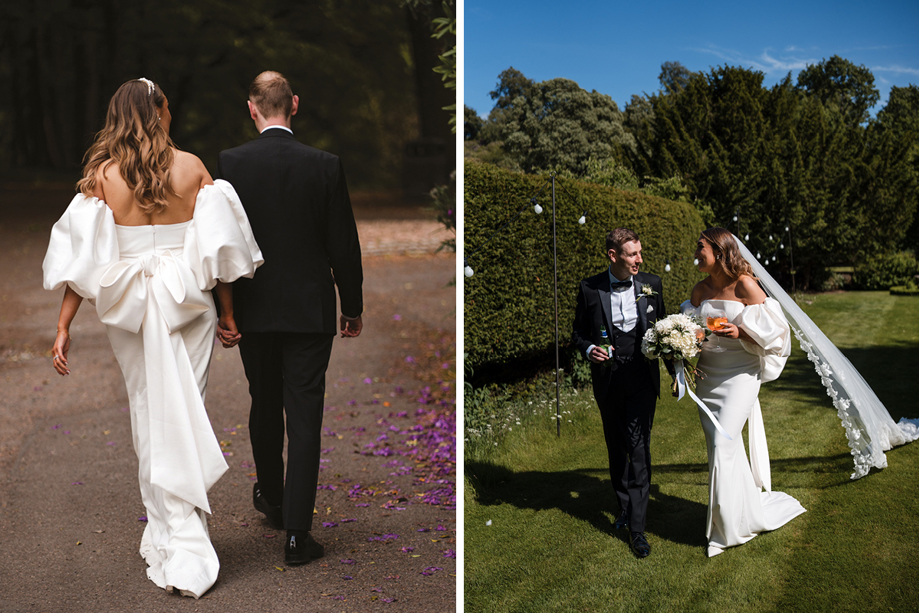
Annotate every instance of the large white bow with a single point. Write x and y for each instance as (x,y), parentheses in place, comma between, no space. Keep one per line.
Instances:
(126,286)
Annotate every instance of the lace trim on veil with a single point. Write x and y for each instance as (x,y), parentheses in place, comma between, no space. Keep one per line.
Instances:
(869,428)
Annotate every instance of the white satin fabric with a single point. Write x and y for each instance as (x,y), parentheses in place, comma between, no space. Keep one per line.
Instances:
(741,503)
(150,285)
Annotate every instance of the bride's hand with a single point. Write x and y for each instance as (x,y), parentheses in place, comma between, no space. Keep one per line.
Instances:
(732,331)
(59,352)
(227,333)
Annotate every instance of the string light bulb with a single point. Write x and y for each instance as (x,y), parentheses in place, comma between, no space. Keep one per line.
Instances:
(468,271)
(536,207)
(583,219)
(695,262)
(746,237)
(667,266)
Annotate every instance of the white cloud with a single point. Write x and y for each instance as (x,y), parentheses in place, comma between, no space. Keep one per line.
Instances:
(897,69)
(767,62)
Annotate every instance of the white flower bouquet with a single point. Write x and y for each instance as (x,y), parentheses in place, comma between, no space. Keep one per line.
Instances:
(676,337)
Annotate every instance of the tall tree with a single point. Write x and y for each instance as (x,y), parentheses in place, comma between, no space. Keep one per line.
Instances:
(555,124)
(839,82)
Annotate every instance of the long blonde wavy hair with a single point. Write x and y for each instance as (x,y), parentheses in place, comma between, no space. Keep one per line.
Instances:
(726,253)
(134,138)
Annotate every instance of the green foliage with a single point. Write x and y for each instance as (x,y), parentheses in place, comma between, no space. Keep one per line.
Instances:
(444,197)
(554,124)
(534,483)
(782,158)
(884,271)
(472,123)
(490,153)
(446,26)
(842,84)
(352,63)
(509,302)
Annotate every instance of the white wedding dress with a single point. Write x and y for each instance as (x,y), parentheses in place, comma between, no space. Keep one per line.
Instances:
(150,285)
(741,503)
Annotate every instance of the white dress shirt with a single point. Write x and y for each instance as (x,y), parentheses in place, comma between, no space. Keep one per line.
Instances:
(623,308)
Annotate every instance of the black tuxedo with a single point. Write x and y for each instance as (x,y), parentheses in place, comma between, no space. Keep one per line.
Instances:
(296,198)
(626,388)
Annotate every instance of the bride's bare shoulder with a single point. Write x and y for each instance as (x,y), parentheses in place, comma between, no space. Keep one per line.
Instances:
(749,291)
(189,172)
(701,291)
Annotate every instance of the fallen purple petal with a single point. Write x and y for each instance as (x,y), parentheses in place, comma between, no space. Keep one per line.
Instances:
(348,561)
(142,518)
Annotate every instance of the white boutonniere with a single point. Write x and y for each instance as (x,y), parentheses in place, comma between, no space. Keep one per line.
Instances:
(645,291)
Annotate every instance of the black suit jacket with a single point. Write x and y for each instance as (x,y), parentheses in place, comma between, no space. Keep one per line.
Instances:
(296,198)
(593,311)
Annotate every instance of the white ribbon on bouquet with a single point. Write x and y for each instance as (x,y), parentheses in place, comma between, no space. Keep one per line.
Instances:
(683,388)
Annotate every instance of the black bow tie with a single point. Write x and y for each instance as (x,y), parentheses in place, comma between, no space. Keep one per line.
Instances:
(619,286)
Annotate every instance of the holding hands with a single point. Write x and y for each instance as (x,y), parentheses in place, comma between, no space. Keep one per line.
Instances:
(226,331)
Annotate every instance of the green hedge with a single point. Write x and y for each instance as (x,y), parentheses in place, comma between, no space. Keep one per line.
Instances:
(509,302)
(884,271)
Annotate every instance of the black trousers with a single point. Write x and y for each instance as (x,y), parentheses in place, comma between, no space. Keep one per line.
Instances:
(628,412)
(286,373)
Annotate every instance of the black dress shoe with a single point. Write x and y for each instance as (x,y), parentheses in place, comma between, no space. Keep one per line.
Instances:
(639,545)
(272,513)
(301,548)
(622,521)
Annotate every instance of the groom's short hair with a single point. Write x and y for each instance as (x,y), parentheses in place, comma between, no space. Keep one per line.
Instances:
(618,237)
(271,94)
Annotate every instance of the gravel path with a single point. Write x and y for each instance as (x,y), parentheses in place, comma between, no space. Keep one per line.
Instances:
(69,502)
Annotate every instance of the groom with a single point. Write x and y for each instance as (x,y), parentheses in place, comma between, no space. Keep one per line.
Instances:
(297,202)
(625,303)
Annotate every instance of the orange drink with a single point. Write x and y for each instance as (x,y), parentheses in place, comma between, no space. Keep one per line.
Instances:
(716,323)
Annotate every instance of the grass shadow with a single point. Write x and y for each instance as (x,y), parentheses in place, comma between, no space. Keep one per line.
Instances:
(586,495)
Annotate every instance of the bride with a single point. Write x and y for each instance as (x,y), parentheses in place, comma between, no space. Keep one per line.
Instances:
(145,240)
(751,348)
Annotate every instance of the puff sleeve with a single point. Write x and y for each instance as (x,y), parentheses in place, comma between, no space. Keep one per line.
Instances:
(767,326)
(83,245)
(220,245)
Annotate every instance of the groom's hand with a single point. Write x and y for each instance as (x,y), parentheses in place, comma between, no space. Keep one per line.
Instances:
(351,326)
(598,354)
(227,333)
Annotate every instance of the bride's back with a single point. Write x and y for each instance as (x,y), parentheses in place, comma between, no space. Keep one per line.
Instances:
(187,176)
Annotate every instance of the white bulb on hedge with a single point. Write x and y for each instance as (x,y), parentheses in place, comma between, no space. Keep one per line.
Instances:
(781,245)
(758,256)
(746,237)
(468,271)
(582,220)
(538,209)
(667,268)
(695,262)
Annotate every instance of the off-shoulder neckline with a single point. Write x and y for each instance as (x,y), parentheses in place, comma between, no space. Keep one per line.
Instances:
(157,225)
(148,225)
(719,300)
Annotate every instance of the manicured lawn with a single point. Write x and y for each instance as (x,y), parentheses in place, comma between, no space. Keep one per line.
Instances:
(551,545)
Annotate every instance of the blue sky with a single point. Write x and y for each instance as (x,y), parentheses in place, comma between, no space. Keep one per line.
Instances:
(617,48)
